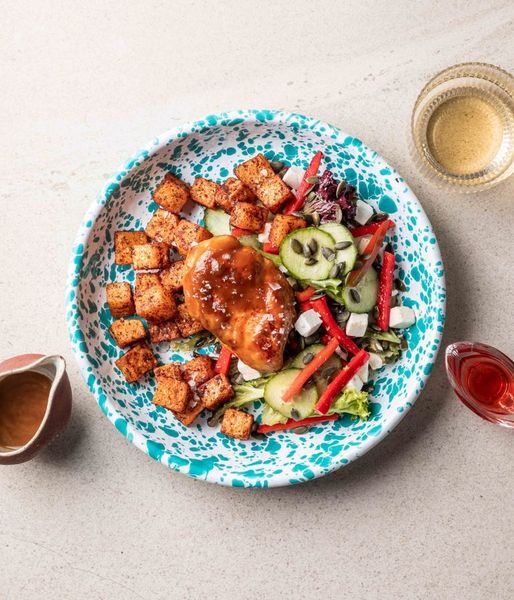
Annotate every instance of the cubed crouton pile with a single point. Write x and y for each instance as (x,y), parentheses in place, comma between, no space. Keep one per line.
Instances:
(153,309)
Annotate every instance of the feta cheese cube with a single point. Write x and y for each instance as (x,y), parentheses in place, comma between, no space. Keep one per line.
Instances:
(264,236)
(363,242)
(402,316)
(363,372)
(293,177)
(356,325)
(308,323)
(364,212)
(355,383)
(246,371)
(375,361)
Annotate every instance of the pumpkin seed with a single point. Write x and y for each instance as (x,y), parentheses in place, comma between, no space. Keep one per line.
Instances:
(258,436)
(316,219)
(343,245)
(313,245)
(376,327)
(297,246)
(307,358)
(341,187)
(376,218)
(334,271)
(375,311)
(308,191)
(356,297)
(399,285)
(296,213)
(307,251)
(295,414)
(308,218)
(312,179)
(277,165)
(282,173)
(342,266)
(317,295)
(311,261)
(365,256)
(327,253)
(338,214)
(300,430)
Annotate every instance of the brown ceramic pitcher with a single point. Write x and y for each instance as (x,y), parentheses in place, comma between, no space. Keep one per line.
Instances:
(58,408)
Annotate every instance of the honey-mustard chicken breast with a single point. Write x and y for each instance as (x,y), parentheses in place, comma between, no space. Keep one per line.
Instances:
(242,298)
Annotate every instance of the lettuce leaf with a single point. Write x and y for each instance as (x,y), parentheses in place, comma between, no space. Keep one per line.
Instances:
(352,402)
(271,417)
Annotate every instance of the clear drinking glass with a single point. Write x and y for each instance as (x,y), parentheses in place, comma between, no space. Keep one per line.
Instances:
(480,99)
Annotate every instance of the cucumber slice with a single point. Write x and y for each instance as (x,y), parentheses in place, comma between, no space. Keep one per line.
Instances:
(367,290)
(249,240)
(325,372)
(296,263)
(341,234)
(217,221)
(301,405)
(298,359)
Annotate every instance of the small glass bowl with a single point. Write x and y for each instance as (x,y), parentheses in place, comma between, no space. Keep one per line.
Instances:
(457,357)
(494,86)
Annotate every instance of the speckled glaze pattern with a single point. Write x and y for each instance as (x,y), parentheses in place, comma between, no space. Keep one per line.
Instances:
(211,147)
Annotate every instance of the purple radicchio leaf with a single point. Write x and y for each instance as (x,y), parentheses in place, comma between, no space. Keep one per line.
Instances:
(325,201)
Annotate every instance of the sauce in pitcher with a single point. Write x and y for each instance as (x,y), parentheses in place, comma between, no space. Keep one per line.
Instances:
(23,402)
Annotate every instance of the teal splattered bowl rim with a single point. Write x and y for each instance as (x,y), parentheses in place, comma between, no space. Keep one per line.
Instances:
(368,166)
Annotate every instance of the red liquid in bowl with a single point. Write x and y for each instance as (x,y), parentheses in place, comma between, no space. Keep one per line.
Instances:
(483,378)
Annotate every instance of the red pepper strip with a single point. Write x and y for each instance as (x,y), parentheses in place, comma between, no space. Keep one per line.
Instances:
(343,377)
(371,250)
(292,424)
(367,229)
(223,363)
(238,232)
(270,248)
(385,290)
(311,171)
(305,294)
(321,307)
(305,306)
(310,368)
(325,339)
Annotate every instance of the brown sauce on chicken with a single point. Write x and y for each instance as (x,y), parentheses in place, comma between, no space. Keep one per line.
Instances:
(242,298)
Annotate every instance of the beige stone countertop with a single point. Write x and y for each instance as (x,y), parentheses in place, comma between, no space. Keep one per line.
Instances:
(428,513)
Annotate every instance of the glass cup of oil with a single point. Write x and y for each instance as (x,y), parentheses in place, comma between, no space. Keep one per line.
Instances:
(463,127)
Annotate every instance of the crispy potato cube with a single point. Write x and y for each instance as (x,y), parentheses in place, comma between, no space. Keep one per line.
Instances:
(161,226)
(151,256)
(173,276)
(127,331)
(199,370)
(120,299)
(165,331)
(170,371)
(236,191)
(237,424)
(172,394)
(189,234)
(282,225)
(153,301)
(188,416)
(249,216)
(136,362)
(207,192)
(216,391)
(124,241)
(186,324)
(259,176)
(172,193)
